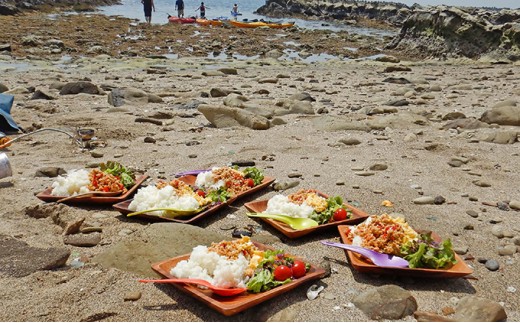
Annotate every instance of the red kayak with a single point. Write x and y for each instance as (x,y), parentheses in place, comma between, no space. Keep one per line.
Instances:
(177,20)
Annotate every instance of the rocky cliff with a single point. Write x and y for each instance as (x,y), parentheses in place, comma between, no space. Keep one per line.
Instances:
(431,31)
(13,7)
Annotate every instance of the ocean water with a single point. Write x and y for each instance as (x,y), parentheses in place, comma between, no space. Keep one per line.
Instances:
(222,8)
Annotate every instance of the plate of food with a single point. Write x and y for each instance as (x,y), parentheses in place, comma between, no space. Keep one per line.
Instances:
(108,184)
(328,212)
(189,198)
(427,254)
(263,271)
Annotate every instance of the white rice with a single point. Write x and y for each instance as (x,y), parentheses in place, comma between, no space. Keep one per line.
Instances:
(76,182)
(150,197)
(210,266)
(280,204)
(205,180)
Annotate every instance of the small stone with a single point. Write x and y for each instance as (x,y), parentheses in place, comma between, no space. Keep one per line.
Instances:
(132,296)
(379,166)
(455,163)
(96,154)
(481,183)
(461,250)
(149,140)
(356,187)
(192,156)
(471,213)
(448,310)
(243,163)
(503,206)
(515,205)
(73,227)
(82,240)
(91,229)
(469,227)
(294,175)
(439,200)
(424,200)
(511,289)
(365,174)
(473,199)
(50,172)
(492,265)
(508,250)
(497,231)
(350,141)
(508,233)
(282,186)
(516,241)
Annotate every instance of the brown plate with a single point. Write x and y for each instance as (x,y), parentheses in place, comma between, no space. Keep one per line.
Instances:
(362,264)
(47,197)
(190,180)
(260,206)
(234,304)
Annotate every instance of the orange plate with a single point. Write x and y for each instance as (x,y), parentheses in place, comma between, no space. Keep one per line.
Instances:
(362,264)
(233,304)
(47,197)
(190,180)
(261,206)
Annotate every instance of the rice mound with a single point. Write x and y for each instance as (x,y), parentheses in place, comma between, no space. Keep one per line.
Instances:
(212,267)
(206,180)
(151,197)
(280,204)
(76,182)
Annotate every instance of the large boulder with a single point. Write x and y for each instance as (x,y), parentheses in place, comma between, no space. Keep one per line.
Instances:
(475,309)
(388,302)
(507,114)
(80,87)
(224,117)
(121,96)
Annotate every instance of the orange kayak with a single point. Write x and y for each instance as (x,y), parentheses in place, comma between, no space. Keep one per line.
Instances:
(207,22)
(177,20)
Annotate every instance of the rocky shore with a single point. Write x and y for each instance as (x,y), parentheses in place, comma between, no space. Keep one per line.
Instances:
(436,138)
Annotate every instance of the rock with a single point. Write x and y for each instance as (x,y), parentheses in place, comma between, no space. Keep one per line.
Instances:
(120,96)
(235,100)
(157,242)
(132,296)
(497,231)
(350,141)
(223,117)
(387,59)
(218,92)
(96,154)
(272,80)
(391,69)
(282,186)
(49,172)
(503,115)
(475,309)
(304,96)
(80,87)
(421,316)
(502,137)
(492,265)
(73,227)
(228,70)
(410,137)
(82,240)
(3,88)
(388,302)
(41,95)
(471,213)
(424,200)
(397,103)
(213,73)
(468,123)
(379,166)
(453,116)
(364,174)
(455,163)
(18,259)
(515,205)
(507,250)
(461,250)
(481,183)
(439,200)
(149,140)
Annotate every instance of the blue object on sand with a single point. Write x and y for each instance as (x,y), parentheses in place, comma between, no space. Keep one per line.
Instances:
(6,121)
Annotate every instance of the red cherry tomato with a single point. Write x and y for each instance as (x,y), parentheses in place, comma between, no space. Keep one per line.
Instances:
(298,269)
(282,273)
(201,193)
(340,214)
(250,182)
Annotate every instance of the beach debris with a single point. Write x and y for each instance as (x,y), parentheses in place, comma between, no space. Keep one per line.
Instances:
(314,291)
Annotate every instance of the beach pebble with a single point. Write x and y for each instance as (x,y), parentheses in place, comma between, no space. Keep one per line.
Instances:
(507,250)
(410,137)
(497,231)
(350,141)
(439,200)
(473,198)
(82,240)
(455,163)
(481,183)
(424,200)
(73,227)
(378,166)
(515,205)
(461,250)
(471,213)
(96,154)
(314,291)
(132,296)
(282,186)
(476,309)
(492,265)
(387,302)
(365,174)
(91,229)
(503,206)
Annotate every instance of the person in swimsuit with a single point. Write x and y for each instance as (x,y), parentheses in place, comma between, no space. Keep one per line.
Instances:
(148,6)
(234,11)
(202,9)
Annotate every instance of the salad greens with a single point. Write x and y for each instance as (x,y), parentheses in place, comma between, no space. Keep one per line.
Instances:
(263,279)
(219,195)
(426,253)
(255,174)
(116,169)
(333,203)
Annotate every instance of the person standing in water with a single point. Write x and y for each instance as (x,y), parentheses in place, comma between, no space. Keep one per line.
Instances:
(148,6)
(179,5)
(202,9)
(234,11)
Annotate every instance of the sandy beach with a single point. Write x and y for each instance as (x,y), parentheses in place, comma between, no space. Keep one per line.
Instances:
(397,130)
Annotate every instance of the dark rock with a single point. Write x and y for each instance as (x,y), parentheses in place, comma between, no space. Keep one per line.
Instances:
(18,259)
(149,140)
(391,69)
(218,92)
(73,227)
(439,200)
(397,80)
(5,47)
(454,116)
(475,309)
(50,172)
(80,87)
(388,302)
(149,120)
(40,95)
(243,163)
(397,103)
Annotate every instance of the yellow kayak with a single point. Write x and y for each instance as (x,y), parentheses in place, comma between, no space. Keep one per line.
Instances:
(207,22)
(280,25)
